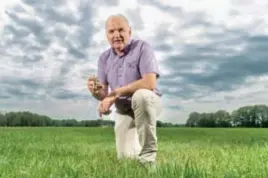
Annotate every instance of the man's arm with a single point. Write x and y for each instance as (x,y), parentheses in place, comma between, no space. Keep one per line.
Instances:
(148,81)
(102,78)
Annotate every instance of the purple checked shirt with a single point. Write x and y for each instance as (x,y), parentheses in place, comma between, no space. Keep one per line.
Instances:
(116,71)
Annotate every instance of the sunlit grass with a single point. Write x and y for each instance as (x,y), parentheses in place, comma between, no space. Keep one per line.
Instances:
(90,152)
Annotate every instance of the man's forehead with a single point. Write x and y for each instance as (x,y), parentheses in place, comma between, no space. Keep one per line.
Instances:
(115,22)
(116,25)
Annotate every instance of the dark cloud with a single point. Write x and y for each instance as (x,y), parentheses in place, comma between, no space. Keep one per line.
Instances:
(230,73)
(105,2)
(235,69)
(4,97)
(46,26)
(18,32)
(163,47)
(33,58)
(65,94)
(85,24)
(31,24)
(226,66)
(18,82)
(76,52)
(41,26)
(196,19)
(181,90)
(19,88)
(178,108)
(65,68)
(19,94)
(161,36)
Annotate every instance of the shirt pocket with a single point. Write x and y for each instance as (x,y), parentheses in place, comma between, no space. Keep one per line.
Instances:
(132,70)
(132,65)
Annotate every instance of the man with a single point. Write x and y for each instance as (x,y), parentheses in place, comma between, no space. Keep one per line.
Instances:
(130,69)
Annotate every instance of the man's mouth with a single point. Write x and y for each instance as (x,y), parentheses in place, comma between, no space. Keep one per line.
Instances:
(117,41)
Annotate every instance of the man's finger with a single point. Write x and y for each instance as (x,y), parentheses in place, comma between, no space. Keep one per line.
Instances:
(100,115)
(101,107)
(106,107)
(91,87)
(107,112)
(92,78)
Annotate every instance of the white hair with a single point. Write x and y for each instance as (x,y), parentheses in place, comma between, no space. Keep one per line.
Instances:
(121,16)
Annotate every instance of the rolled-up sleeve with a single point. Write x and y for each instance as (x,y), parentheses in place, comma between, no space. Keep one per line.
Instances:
(101,74)
(148,62)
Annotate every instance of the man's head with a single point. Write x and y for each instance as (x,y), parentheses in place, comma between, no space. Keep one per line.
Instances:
(118,31)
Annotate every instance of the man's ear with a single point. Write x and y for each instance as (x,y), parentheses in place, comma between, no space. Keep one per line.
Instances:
(130,31)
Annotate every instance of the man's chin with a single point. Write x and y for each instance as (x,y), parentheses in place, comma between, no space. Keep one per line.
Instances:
(118,47)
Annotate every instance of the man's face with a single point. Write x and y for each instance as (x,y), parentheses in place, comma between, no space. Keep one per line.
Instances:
(118,33)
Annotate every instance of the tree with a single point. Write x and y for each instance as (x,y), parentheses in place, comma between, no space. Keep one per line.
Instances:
(193,119)
(207,120)
(3,121)
(222,119)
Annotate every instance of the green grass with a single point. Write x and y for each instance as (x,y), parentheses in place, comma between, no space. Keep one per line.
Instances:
(90,153)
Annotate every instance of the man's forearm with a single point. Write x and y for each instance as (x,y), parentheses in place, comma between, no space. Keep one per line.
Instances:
(132,87)
(148,81)
(129,89)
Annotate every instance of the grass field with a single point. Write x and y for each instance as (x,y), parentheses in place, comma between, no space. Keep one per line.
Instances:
(90,153)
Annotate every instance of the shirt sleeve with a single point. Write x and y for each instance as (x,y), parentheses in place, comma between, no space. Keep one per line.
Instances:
(148,63)
(101,73)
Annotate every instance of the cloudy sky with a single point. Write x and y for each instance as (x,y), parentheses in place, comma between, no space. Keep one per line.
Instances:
(212,54)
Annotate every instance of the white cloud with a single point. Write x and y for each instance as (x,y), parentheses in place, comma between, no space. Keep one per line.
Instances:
(233,14)
(130,4)
(3,18)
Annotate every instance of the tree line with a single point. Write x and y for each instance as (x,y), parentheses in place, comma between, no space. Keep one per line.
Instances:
(28,119)
(246,116)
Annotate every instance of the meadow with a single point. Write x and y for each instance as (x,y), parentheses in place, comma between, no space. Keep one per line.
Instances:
(73,152)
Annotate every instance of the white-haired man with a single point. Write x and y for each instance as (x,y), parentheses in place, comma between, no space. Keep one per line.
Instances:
(130,69)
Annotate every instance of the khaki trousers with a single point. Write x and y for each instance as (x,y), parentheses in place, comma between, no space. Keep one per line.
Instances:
(135,132)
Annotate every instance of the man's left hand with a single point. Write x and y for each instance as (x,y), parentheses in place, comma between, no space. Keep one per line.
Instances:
(105,104)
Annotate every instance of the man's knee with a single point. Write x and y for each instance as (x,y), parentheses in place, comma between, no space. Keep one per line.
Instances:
(139,94)
(141,97)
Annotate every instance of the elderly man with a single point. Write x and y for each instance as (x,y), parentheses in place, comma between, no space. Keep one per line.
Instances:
(131,71)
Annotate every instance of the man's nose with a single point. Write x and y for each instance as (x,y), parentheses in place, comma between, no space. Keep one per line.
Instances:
(116,33)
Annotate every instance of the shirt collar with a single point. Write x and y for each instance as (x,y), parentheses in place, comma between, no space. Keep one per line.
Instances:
(126,49)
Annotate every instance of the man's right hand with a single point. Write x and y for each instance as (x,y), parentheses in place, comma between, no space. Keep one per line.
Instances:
(94,86)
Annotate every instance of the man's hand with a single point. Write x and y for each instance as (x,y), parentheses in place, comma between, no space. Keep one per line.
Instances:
(95,88)
(93,85)
(105,104)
